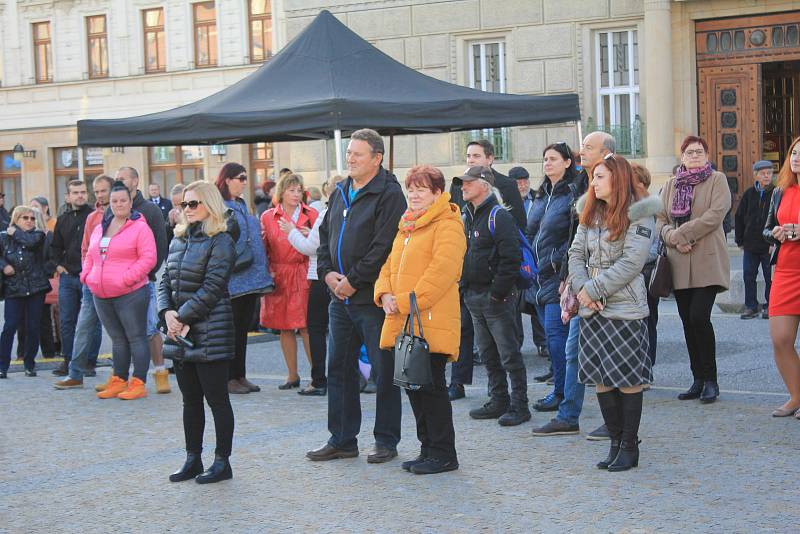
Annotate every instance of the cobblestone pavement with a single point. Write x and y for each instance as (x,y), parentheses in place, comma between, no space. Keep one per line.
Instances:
(74,463)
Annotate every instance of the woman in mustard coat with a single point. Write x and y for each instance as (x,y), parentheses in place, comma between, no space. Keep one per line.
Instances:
(426,258)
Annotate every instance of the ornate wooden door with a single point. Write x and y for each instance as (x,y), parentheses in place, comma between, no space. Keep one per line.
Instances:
(730,119)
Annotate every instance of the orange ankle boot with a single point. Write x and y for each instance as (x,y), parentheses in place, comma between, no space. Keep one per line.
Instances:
(136,390)
(114,387)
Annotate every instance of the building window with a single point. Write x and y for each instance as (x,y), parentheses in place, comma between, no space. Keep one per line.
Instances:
(205,34)
(155,56)
(487,72)
(10,179)
(260,30)
(170,165)
(43,52)
(97,36)
(65,169)
(617,81)
(261,163)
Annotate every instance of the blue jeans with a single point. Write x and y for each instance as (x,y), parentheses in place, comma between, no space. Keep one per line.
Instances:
(28,309)
(570,408)
(556,332)
(750,264)
(125,319)
(350,326)
(88,335)
(69,305)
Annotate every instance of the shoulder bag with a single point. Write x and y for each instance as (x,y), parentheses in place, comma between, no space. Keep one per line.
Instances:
(412,357)
(661,280)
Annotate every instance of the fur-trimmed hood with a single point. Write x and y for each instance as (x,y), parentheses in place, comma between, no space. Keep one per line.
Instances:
(649,206)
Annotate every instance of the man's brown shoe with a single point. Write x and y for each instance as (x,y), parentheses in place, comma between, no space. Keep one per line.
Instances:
(237,388)
(381,454)
(329,452)
(68,383)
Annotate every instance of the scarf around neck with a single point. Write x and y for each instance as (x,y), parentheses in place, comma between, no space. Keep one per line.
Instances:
(410,218)
(685,182)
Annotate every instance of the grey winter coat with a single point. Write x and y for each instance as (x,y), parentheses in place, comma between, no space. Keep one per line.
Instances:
(611,271)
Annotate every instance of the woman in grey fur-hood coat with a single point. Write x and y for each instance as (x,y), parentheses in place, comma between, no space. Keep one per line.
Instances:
(611,271)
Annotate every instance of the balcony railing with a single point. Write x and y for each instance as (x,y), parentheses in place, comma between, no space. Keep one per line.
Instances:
(629,138)
(499,137)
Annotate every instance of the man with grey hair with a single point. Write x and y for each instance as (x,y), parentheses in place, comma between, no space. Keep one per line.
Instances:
(594,148)
(488,281)
(355,239)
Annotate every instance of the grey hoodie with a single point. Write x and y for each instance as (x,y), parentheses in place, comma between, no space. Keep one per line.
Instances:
(611,271)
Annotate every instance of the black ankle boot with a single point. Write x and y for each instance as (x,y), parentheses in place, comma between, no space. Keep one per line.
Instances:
(611,408)
(219,470)
(693,392)
(628,456)
(191,468)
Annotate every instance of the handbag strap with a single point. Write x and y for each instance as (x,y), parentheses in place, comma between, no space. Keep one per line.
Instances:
(414,311)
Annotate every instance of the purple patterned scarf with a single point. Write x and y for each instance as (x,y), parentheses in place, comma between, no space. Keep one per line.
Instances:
(685,182)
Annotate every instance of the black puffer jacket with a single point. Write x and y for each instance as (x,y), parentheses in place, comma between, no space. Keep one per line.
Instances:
(195,284)
(26,252)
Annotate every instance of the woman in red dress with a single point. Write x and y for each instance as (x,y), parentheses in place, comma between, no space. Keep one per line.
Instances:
(783,230)
(285,308)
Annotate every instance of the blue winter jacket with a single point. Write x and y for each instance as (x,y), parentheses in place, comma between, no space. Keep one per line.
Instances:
(256,278)
(549,234)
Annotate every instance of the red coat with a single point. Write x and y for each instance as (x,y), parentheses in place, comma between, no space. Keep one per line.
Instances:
(285,308)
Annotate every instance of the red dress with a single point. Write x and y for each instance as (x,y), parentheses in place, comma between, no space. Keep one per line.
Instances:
(784,296)
(285,308)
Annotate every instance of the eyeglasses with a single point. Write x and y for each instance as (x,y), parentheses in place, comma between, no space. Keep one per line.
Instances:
(27,218)
(698,152)
(242,177)
(610,155)
(191,204)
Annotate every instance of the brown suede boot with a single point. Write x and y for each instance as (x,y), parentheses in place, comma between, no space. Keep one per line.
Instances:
(162,381)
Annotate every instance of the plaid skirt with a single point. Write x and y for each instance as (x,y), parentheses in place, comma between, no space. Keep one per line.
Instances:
(614,352)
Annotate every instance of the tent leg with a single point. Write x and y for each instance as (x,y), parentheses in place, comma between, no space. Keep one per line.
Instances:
(580,134)
(327,162)
(337,138)
(80,165)
(391,153)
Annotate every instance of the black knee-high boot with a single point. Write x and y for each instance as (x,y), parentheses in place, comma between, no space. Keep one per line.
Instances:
(629,447)
(611,408)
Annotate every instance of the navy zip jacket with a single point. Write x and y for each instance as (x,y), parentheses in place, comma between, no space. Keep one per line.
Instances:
(355,238)
(751,215)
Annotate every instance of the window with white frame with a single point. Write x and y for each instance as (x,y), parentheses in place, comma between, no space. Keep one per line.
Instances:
(487,72)
(617,82)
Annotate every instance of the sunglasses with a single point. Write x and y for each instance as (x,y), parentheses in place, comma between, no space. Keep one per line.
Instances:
(242,177)
(191,204)
(27,218)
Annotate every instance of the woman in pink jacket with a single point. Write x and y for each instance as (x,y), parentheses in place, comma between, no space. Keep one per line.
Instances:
(122,250)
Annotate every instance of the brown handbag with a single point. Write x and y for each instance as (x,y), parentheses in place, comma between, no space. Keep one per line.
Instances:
(661,280)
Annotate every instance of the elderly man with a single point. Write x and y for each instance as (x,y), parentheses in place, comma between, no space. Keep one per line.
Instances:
(594,148)
(751,215)
(355,239)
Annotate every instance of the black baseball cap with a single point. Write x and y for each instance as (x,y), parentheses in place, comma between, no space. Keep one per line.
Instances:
(478,173)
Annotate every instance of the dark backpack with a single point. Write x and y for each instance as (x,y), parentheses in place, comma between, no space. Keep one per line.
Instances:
(527,269)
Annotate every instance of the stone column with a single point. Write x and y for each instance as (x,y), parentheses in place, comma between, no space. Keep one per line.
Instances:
(656,64)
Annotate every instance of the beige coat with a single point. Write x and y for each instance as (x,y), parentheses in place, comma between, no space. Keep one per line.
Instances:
(708,263)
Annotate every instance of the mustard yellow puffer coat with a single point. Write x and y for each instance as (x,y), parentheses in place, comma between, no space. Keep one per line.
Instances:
(427,261)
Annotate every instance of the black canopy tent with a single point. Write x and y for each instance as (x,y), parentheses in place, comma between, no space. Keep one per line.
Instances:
(328,82)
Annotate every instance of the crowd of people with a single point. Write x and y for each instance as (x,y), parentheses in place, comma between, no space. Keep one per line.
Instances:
(346,274)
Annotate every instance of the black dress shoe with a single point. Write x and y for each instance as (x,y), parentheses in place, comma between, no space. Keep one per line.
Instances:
(62,369)
(30,372)
(329,452)
(431,466)
(192,467)
(220,470)
(710,392)
(455,392)
(287,385)
(381,454)
(3,374)
(411,463)
(693,392)
(545,377)
(312,391)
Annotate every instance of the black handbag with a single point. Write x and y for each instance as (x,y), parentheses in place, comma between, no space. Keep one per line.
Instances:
(661,280)
(412,357)
(244,254)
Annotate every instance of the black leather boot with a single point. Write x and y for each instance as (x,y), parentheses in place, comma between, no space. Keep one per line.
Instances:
(710,392)
(693,392)
(191,468)
(611,408)
(628,456)
(219,470)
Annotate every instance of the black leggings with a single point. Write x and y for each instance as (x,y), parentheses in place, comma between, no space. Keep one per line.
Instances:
(243,308)
(317,321)
(694,307)
(209,380)
(434,414)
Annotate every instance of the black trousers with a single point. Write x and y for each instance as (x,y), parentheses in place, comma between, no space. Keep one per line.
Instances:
(46,340)
(652,326)
(434,414)
(317,321)
(461,370)
(694,307)
(243,308)
(207,380)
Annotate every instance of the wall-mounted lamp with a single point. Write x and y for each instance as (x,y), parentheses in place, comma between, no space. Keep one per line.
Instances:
(219,151)
(20,152)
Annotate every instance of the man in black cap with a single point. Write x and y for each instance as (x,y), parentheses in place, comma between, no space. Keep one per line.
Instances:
(488,280)
(751,215)
(521,176)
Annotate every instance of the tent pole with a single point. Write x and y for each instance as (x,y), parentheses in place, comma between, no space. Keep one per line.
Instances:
(391,153)
(337,137)
(580,134)
(80,164)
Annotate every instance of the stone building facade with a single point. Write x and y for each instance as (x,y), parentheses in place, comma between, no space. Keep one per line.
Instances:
(638,66)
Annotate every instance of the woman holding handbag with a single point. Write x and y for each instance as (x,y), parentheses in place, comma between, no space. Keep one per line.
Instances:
(605,264)
(250,278)
(426,260)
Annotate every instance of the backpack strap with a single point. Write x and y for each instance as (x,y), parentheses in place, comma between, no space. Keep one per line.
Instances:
(492,216)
